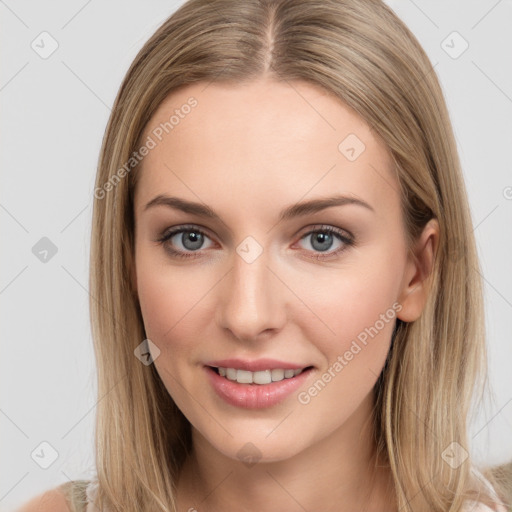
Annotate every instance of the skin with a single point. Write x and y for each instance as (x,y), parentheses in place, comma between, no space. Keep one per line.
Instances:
(248,151)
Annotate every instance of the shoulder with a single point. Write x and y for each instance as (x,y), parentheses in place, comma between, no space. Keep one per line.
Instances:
(53,500)
(72,496)
(495,504)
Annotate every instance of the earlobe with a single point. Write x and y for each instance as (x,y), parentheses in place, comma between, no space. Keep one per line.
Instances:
(418,273)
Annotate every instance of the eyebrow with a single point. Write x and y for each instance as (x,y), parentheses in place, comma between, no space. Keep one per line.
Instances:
(296,210)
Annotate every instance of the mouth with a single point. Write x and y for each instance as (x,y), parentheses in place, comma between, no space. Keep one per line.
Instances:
(259,388)
(258,378)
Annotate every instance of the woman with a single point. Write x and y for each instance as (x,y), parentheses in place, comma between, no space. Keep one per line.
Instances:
(285,305)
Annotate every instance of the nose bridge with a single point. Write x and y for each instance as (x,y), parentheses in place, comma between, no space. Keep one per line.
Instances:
(251,302)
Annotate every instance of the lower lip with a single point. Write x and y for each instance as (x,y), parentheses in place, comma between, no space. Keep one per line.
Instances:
(255,396)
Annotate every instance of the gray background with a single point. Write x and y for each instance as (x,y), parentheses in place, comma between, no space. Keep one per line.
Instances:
(54,112)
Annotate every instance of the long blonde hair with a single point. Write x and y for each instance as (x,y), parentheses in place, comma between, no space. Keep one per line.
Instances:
(361,52)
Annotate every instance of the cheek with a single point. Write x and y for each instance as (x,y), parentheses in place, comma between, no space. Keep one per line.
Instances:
(355,306)
(158,303)
(172,302)
(359,306)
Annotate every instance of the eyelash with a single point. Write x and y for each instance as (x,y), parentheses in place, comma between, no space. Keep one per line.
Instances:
(348,241)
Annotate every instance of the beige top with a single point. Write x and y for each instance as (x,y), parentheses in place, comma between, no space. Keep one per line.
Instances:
(82,494)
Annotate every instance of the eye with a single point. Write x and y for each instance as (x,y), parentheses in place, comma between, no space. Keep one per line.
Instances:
(321,240)
(184,241)
(188,241)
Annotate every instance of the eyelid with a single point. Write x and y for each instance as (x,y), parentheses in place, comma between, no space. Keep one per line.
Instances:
(169,232)
(327,227)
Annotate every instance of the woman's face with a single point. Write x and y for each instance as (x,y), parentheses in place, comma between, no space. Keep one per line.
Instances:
(262,276)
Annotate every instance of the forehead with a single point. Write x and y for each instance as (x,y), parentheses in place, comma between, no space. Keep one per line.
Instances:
(277,141)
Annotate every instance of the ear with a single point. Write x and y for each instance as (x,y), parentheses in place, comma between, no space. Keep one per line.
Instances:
(419,266)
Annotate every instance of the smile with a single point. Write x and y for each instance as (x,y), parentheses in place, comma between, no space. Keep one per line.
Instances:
(260,377)
(256,384)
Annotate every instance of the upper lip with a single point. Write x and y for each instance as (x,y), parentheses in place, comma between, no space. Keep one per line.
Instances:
(256,365)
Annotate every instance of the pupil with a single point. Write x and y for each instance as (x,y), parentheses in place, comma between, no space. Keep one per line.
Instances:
(324,239)
(192,240)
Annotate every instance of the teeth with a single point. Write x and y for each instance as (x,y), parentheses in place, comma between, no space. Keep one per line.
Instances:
(277,375)
(261,377)
(244,377)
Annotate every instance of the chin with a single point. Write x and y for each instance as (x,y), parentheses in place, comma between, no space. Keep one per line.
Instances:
(256,447)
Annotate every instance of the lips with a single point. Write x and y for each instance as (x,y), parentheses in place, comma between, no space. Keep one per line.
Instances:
(255,384)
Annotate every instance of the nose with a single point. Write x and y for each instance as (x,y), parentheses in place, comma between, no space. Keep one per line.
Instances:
(252,300)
